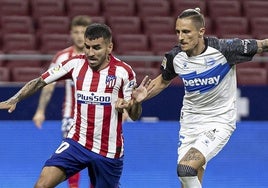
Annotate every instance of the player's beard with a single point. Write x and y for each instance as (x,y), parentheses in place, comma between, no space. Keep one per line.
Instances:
(96,66)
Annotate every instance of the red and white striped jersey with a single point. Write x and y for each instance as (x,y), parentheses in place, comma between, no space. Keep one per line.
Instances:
(98,125)
(69,101)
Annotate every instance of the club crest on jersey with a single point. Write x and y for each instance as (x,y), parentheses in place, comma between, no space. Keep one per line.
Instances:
(110,80)
(185,65)
(132,84)
(209,62)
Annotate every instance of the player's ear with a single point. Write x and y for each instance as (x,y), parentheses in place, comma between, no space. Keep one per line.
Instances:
(201,32)
(110,47)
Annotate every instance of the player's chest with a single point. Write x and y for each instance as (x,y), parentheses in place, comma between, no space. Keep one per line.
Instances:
(202,63)
(98,81)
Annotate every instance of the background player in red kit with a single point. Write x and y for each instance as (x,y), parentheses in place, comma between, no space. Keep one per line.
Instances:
(103,89)
(77,31)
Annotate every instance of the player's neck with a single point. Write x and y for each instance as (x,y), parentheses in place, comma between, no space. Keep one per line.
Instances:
(199,49)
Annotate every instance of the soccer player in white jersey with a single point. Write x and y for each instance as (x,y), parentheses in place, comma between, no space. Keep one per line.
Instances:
(103,89)
(207,66)
(77,30)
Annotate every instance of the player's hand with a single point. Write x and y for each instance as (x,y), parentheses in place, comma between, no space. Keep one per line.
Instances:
(38,119)
(67,123)
(121,104)
(9,104)
(141,92)
(138,95)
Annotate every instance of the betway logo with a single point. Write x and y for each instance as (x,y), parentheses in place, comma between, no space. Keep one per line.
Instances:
(206,80)
(202,81)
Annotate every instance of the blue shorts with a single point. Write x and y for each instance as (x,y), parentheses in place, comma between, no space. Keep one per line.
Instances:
(73,157)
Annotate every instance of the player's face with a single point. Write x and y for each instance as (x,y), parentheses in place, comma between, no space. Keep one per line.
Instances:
(97,52)
(77,35)
(189,36)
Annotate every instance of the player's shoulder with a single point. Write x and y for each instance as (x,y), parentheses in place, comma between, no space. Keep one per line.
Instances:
(75,61)
(170,55)
(213,41)
(77,58)
(121,66)
(219,43)
(118,62)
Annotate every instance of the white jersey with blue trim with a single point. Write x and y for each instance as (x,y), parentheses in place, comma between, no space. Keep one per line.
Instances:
(209,80)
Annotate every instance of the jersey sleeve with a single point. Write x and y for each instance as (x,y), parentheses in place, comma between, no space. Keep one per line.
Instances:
(58,72)
(58,58)
(237,50)
(129,83)
(167,68)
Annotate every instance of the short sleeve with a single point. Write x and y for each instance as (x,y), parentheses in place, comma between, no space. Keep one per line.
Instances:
(167,68)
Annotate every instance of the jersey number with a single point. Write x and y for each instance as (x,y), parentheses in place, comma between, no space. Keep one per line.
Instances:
(62,147)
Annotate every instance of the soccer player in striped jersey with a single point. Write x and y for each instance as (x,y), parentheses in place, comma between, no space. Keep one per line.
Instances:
(104,87)
(77,30)
(207,67)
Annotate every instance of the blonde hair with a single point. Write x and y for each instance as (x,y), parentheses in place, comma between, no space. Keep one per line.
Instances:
(81,20)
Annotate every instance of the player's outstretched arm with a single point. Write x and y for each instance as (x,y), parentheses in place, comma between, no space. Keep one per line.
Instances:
(156,86)
(27,90)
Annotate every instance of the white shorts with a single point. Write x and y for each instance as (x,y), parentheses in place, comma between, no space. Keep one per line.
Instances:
(209,141)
